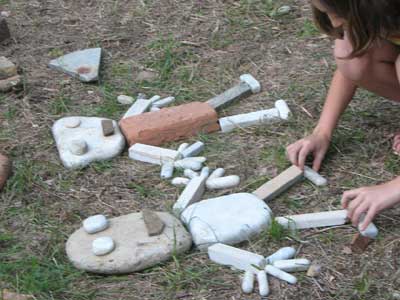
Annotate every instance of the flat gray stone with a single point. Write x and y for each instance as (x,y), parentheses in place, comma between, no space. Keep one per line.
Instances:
(83,64)
(134,249)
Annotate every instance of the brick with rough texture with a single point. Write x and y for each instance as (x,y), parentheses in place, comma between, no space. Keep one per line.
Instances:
(360,243)
(170,124)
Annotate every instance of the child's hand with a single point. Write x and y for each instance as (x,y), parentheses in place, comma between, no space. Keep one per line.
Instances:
(317,144)
(370,201)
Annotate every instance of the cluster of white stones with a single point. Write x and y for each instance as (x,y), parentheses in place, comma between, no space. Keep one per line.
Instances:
(101,245)
(142,104)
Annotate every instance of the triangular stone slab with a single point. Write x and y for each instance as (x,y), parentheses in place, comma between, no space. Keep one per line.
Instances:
(83,64)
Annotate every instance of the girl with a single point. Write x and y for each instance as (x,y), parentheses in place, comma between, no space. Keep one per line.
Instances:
(367,56)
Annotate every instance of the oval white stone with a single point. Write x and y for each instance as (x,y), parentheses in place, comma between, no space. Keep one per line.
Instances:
(248,282)
(292,265)
(217,173)
(263,286)
(95,224)
(103,245)
(283,253)
(190,173)
(180,181)
(123,99)
(223,182)
(280,274)
(188,163)
(78,147)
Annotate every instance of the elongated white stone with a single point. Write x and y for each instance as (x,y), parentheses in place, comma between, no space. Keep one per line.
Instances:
(292,265)
(223,182)
(230,256)
(152,154)
(217,173)
(280,274)
(153,108)
(180,181)
(164,102)
(283,108)
(314,177)
(188,163)
(155,98)
(103,245)
(252,82)
(167,170)
(283,253)
(78,147)
(193,149)
(190,173)
(371,231)
(245,120)
(192,193)
(263,286)
(313,220)
(248,282)
(205,172)
(95,224)
(139,107)
(124,99)
(201,159)
(182,147)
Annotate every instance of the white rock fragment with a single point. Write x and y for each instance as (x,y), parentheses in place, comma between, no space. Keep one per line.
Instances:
(188,163)
(193,149)
(125,100)
(314,177)
(248,282)
(283,10)
(152,154)
(239,259)
(205,172)
(164,102)
(371,231)
(217,173)
(292,265)
(192,193)
(140,106)
(167,170)
(95,224)
(263,286)
(72,122)
(228,124)
(313,220)
(153,108)
(103,245)
(252,82)
(200,159)
(283,109)
(280,274)
(314,270)
(281,254)
(141,96)
(223,182)
(190,173)
(182,147)
(155,98)
(180,181)
(78,147)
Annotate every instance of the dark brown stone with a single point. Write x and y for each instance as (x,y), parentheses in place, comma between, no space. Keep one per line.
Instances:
(359,243)
(154,224)
(5,170)
(108,127)
(4,31)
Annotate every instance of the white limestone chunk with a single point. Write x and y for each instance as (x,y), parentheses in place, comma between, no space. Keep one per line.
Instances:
(201,159)
(103,245)
(371,231)
(190,173)
(263,286)
(180,181)
(164,102)
(125,100)
(153,108)
(314,177)
(223,182)
(252,82)
(239,259)
(139,107)
(228,124)
(283,253)
(248,282)
(313,220)
(192,193)
(72,122)
(193,149)
(78,147)
(95,224)
(155,98)
(217,173)
(205,172)
(182,147)
(292,265)
(141,96)
(152,154)
(167,170)
(283,108)
(280,274)
(188,163)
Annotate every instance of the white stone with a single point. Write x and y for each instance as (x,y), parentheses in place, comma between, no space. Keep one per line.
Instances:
(180,181)
(314,177)
(72,122)
(280,274)
(188,163)
(154,99)
(283,10)
(152,154)
(182,147)
(140,106)
(95,224)
(83,64)
(228,124)
(217,173)
(135,249)
(235,218)
(124,99)
(192,193)
(141,96)
(248,282)
(252,82)
(263,286)
(205,172)
(103,245)
(190,173)
(164,102)
(193,149)
(237,258)
(223,182)
(100,147)
(371,231)
(200,159)
(292,265)
(313,220)
(78,147)
(153,108)
(283,109)
(281,254)
(167,170)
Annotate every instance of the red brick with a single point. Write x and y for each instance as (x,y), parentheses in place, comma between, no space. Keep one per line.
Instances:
(360,243)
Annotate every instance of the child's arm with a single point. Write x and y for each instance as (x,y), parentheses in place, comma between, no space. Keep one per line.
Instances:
(339,96)
(371,201)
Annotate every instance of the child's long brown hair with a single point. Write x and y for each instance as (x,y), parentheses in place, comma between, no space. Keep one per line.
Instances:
(366,21)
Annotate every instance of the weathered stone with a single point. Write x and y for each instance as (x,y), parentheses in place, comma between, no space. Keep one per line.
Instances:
(314,270)
(10,83)
(146,76)
(170,124)
(8,295)
(5,170)
(103,245)
(7,68)
(78,147)
(126,100)
(108,127)
(135,250)
(4,31)
(154,224)
(95,224)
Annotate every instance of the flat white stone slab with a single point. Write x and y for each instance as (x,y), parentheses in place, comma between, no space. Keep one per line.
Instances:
(192,193)
(83,64)
(313,220)
(134,249)
(89,130)
(152,154)
(228,219)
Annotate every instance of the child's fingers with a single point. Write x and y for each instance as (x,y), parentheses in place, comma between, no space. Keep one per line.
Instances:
(368,217)
(348,196)
(304,151)
(318,158)
(292,153)
(353,206)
